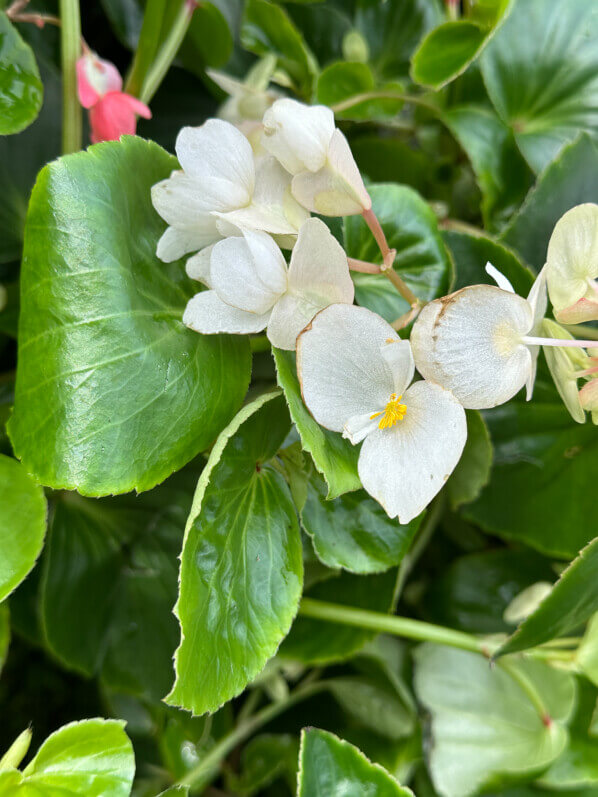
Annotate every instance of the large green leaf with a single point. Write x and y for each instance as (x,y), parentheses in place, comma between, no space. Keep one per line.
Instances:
(110,582)
(573,600)
(541,72)
(92,757)
(473,470)
(113,392)
(241,566)
(22,523)
(330,766)
(21,89)
(485,722)
(353,531)
(569,180)
(541,460)
(333,455)
(422,259)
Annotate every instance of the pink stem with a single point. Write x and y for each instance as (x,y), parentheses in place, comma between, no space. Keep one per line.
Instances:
(363,266)
(372,221)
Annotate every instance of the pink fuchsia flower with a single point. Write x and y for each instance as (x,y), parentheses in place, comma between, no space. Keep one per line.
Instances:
(112,113)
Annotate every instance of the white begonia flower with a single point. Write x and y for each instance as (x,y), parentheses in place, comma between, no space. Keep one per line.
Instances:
(221,187)
(355,372)
(251,288)
(306,142)
(572,265)
(480,343)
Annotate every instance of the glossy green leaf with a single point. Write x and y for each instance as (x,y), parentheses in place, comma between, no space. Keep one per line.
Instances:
(209,41)
(422,259)
(22,523)
(113,392)
(393,160)
(320,642)
(333,455)
(330,766)
(241,566)
(541,72)
(573,600)
(110,582)
(483,721)
(547,465)
(344,80)
(353,531)
(503,175)
(21,90)
(473,470)
(92,757)
(265,759)
(569,180)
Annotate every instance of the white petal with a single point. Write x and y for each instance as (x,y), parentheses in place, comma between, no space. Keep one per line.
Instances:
(399,359)
(538,298)
(249,272)
(499,278)
(403,467)
(298,135)
(337,189)
(339,365)
(469,343)
(180,201)
(208,314)
(175,243)
(572,257)
(359,427)
(319,267)
(220,159)
(198,266)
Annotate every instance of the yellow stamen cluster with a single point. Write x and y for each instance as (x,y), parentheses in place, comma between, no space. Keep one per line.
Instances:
(393,412)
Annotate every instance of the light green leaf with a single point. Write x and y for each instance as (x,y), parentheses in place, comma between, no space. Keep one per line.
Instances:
(92,757)
(484,722)
(343,80)
(353,531)
(473,471)
(541,72)
(373,704)
(547,466)
(422,259)
(22,523)
(21,90)
(333,455)
(569,180)
(330,766)
(113,392)
(241,566)
(573,600)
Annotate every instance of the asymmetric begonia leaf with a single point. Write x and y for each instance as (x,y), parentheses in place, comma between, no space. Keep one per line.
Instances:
(541,72)
(484,723)
(330,766)
(333,455)
(573,600)
(23,511)
(241,565)
(422,259)
(113,392)
(21,90)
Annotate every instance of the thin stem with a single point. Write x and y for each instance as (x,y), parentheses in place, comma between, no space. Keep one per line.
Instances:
(580,329)
(345,105)
(249,706)
(70,42)
(528,688)
(363,266)
(149,41)
(36,19)
(208,768)
(578,344)
(168,52)
(452,9)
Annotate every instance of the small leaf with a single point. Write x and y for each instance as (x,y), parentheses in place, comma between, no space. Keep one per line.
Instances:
(329,766)
(22,523)
(343,80)
(113,393)
(446,52)
(21,90)
(241,566)
(333,455)
(473,471)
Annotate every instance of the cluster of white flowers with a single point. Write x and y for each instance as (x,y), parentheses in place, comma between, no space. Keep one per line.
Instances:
(236,202)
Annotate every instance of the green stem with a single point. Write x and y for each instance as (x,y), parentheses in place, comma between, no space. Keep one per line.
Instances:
(208,767)
(345,105)
(527,687)
(167,53)
(70,43)
(147,46)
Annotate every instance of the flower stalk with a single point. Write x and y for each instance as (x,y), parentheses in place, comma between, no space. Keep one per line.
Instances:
(70,43)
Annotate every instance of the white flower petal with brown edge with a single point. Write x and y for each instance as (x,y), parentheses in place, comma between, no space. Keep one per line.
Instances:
(198,266)
(470,343)
(220,159)
(298,135)
(572,258)
(175,243)
(405,466)
(208,314)
(339,365)
(248,272)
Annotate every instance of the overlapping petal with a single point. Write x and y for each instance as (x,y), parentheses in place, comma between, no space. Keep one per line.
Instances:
(298,135)
(96,77)
(208,314)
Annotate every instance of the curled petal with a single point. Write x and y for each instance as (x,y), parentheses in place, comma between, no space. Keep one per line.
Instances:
(298,135)
(399,359)
(176,243)
(115,115)
(499,278)
(405,466)
(359,427)
(198,266)
(572,259)
(208,314)
(96,77)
